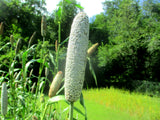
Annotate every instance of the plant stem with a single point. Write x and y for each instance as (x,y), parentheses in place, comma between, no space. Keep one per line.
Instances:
(58,42)
(44,111)
(71,111)
(43,39)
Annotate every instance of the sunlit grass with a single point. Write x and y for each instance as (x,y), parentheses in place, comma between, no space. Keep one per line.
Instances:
(106,104)
(140,107)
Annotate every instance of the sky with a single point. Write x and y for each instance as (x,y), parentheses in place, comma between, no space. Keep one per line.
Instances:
(91,7)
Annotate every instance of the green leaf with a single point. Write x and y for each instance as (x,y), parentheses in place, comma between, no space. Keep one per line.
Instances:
(56,99)
(40,60)
(11,69)
(28,64)
(79,111)
(58,14)
(62,88)
(79,6)
(52,58)
(24,59)
(2,79)
(68,1)
(66,40)
(18,76)
(1,71)
(41,85)
(67,108)
(92,71)
(82,103)
(4,46)
(75,108)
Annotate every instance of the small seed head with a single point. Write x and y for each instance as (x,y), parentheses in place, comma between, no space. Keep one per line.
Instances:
(31,40)
(1,28)
(33,87)
(4,99)
(34,118)
(43,26)
(55,84)
(92,49)
(56,45)
(11,40)
(18,46)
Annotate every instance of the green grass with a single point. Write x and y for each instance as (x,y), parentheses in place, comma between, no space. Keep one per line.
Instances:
(108,104)
(101,112)
(115,104)
(96,111)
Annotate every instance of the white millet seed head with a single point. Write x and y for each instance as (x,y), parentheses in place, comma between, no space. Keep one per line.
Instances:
(43,26)
(4,99)
(76,57)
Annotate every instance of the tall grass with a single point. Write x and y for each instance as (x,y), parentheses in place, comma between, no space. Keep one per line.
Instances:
(25,98)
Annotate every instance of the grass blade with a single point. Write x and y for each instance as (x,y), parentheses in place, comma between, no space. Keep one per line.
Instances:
(4,46)
(92,71)
(79,6)
(28,64)
(66,40)
(52,58)
(82,103)
(62,88)
(56,99)
(75,108)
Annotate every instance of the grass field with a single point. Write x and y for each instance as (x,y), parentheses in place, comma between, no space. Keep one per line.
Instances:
(110,104)
(115,104)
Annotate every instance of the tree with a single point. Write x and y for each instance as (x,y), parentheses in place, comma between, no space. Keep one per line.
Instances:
(99,30)
(25,15)
(124,55)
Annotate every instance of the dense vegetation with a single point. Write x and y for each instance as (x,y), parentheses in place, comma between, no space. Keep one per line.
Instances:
(127,32)
(118,104)
(33,46)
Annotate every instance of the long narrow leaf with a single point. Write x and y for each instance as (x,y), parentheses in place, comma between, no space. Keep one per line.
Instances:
(78,110)
(11,69)
(1,71)
(59,13)
(24,59)
(2,79)
(92,71)
(5,46)
(62,88)
(68,1)
(42,62)
(28,64)
(65,109)
(82,103)
(56,99)
(79,6)
(66,40)
(52,59)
